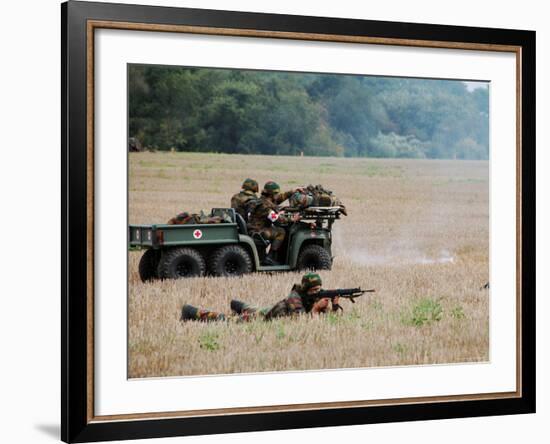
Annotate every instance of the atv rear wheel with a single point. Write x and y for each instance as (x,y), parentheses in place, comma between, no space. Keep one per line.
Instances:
(314,257)
(182,262)
(230,260)
(148,265)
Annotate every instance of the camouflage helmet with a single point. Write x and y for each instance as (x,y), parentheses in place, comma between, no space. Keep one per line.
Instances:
(271,188)
(250,185)
(310,280)
(182,216)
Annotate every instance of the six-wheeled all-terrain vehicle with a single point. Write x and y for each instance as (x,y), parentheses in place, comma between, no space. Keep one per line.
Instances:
(228,249)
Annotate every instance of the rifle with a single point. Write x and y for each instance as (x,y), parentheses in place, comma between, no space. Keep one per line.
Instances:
(346,293)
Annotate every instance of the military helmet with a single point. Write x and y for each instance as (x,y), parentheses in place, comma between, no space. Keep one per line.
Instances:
(250,185)
(182,216)
(310,280)
(271,188)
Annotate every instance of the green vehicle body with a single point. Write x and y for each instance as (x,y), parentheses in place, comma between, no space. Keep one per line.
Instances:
(208,238)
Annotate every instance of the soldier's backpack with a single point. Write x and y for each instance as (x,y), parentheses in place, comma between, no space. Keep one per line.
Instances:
(250,207)
(315,196)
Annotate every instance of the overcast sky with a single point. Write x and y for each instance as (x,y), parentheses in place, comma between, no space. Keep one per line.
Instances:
(475,85)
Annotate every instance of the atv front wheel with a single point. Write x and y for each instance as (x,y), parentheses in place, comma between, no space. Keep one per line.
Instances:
(182,262)
(230,260)
(314,257)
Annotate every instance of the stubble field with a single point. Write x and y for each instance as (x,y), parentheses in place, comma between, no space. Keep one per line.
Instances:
(417,232)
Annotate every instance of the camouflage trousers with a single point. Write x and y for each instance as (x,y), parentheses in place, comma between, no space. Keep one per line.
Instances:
(246,313)
(250,313)
(273,233)
(246,316)
(267,312)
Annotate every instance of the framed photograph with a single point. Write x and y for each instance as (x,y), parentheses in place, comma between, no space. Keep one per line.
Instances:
(276,221)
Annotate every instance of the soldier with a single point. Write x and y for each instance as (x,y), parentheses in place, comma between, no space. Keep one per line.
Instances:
(264,214)
(316,196)
(302,299)
(134,146)
(240,200)
(186,218)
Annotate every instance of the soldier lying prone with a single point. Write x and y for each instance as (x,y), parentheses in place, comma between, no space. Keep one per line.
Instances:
(306,297)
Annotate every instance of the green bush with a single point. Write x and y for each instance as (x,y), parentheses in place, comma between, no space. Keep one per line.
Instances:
(425,312)
(209,341)
(400,349)
(458,313)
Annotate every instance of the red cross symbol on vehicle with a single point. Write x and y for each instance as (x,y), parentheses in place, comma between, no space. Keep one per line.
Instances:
(197,234)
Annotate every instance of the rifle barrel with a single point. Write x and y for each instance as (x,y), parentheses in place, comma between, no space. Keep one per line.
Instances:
(344,292)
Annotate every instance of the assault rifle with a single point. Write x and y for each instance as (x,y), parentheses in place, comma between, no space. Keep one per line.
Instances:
(344,293)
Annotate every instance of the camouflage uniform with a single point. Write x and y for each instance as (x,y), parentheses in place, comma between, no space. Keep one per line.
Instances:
(186,218)
(240,200)
(301,200)
(296,303)
(266,212)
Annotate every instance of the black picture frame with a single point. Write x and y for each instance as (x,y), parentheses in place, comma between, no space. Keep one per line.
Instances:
(77,423)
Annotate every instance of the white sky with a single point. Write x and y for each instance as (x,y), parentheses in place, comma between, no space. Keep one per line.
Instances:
(475,85)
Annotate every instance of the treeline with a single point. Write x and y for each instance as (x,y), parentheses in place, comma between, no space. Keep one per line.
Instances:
(257,112)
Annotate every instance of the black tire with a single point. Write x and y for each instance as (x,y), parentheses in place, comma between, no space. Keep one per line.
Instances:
(314,257)
(148,265)
(183,262)
(230,260)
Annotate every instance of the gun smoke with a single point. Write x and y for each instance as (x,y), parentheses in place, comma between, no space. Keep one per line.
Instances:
(398,252)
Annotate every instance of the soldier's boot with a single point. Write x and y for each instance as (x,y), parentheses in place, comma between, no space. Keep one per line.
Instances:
(273,255)
(190,313)
(237,306)
(275,246)
(270,258)
(242,309)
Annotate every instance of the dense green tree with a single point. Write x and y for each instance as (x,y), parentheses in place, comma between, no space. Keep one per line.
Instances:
(238,111)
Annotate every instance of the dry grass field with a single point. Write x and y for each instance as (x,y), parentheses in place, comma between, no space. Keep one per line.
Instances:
(417,231)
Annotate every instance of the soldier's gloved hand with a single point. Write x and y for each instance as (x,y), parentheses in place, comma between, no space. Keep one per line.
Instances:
(335,304)
(321,305)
